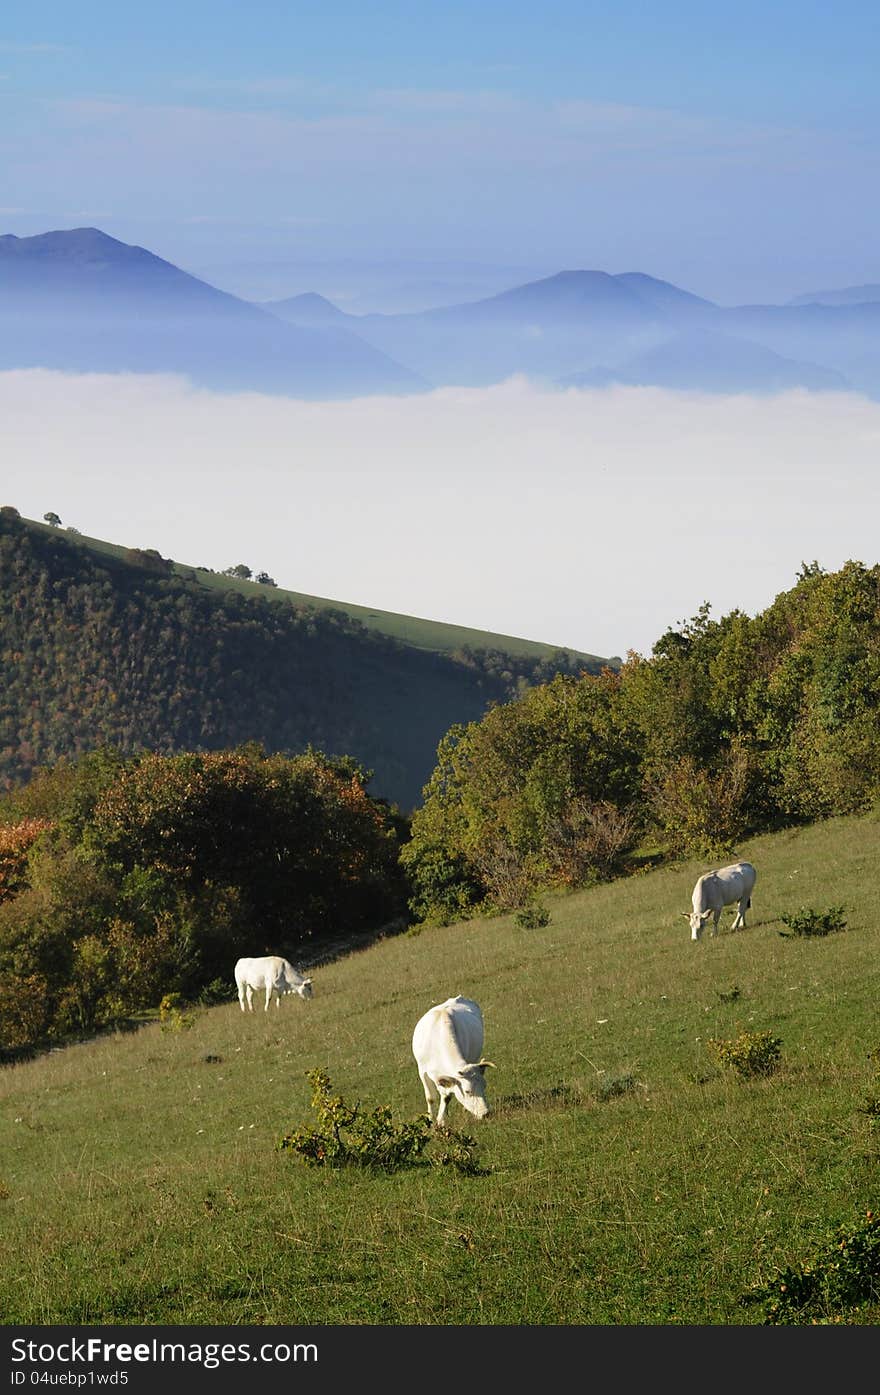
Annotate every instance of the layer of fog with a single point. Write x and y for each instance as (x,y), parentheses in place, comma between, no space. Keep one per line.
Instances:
(592,519)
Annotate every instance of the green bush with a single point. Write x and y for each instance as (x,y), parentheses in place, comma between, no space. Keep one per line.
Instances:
(219,990)
(172,1014)
(729,995)
(809,922)
(841,1275)
(348,1135)
(751,1053)
(870,1106)
(615,1085)
(532,917)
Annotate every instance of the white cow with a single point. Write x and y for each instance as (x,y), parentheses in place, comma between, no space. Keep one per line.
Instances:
(272,973)
(447,1044)
(715,890)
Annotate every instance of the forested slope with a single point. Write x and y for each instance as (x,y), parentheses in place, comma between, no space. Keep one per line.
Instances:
(96,649)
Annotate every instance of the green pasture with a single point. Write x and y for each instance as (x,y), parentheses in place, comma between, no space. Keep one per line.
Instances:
(141,1181)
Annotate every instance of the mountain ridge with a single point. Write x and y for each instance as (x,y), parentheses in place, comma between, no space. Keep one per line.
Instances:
(79,300)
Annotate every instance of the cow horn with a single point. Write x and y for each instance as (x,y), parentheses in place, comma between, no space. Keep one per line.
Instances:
(487,1063)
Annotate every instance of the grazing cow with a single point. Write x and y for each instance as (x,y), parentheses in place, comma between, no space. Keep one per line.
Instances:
(447,1044)
(715,890)
(272,973)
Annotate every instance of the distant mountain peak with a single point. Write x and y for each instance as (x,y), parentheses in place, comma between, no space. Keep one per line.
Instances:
(81,300)
(309,308)
(72,244)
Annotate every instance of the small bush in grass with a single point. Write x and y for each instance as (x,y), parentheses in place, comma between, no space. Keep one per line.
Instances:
(172,1016)
(729,995)
(349,1135)
(751,1053)
(806,922)
(840,1276)
(219,990)
(457,1150)
(532,917)
(615,1085)
(870,1106)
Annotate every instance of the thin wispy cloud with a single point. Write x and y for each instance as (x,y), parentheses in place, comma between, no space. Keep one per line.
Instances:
(14,46)
(451,102)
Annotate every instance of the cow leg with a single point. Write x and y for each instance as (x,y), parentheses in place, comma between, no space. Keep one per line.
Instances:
(250,998)
(739,920)
(715,919)
(432,1096)
(241,998)
(268,996)
(445,1096)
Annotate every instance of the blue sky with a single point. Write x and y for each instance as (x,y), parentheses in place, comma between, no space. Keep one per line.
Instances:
(397,153)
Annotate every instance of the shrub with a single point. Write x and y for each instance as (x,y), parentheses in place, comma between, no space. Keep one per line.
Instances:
(870,1106)
(348,1135)
(172,1014)
(457,1150)
(809,922)
(532,917)
(729,995)
(25,1010)
(751,1053)
(615,1085)
(219,990)
(589,840)
(841,1275)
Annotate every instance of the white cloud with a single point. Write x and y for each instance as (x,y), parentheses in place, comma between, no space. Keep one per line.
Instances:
(591,519)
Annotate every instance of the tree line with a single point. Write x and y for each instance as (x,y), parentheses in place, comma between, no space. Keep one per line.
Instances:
(123,878)
(730,726)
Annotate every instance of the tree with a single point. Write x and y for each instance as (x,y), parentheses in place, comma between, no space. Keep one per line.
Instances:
(53,519)
(241,571)
(538,793)
(265,579)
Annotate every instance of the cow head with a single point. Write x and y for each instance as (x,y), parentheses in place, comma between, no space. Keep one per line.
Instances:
(469,1087)
(697,920)
(304,989)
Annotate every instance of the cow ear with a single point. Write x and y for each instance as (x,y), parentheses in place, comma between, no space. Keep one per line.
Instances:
(448,1082)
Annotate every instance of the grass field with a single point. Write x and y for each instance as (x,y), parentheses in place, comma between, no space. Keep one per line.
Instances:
(436,636)
(142,1182)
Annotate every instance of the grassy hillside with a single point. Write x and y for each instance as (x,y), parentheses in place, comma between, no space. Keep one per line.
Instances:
(433,635)
(142,1181)
(100,645)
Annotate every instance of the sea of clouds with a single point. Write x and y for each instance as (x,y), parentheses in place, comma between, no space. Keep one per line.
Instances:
(593,519)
